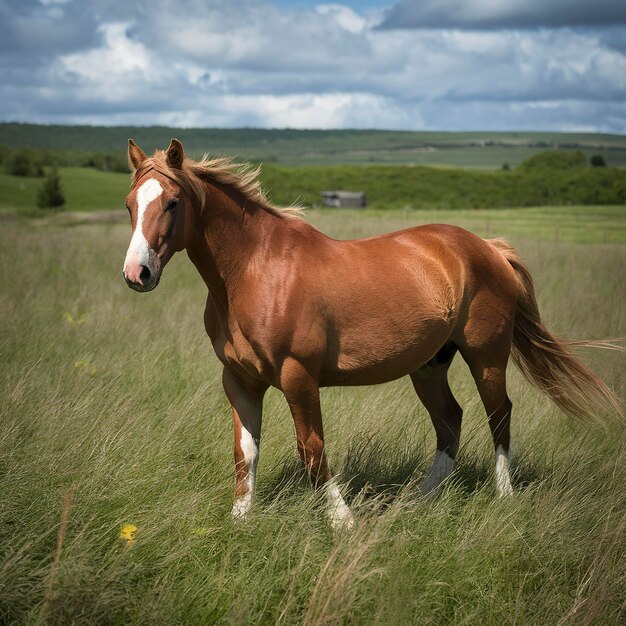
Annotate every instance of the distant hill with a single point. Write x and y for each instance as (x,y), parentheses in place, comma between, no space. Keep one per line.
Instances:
(490,150)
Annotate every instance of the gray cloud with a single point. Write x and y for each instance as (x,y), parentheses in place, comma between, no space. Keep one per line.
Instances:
(31,30)
(509,14)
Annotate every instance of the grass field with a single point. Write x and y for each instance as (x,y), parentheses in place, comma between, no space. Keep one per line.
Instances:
(85,189)
(116,397)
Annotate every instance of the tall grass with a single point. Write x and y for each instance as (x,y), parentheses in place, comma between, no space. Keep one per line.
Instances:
(119,395)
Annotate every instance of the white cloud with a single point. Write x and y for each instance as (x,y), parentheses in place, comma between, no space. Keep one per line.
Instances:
(115,71)
(332,110)
(118,55)
(346,17)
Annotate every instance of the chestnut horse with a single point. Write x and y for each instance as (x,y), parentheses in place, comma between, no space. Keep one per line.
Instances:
(290,307)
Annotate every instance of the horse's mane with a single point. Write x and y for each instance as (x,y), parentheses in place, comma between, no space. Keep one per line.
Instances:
(242,177)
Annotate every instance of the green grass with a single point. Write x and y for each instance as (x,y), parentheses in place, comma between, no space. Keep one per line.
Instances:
(119,394)
(579,224)
(85,189)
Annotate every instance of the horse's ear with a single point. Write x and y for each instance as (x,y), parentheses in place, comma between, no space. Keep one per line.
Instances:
(175,154)
(136,156)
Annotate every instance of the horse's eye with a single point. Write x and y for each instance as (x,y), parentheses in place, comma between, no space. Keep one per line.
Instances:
(171,205)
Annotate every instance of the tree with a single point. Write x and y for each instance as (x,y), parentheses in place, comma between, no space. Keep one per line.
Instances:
(50,193)
(597,160)
(24,162)
(20,165)
(553,160)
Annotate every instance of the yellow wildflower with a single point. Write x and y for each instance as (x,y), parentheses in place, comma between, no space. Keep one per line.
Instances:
(86,366)
(128,533)
(76,321)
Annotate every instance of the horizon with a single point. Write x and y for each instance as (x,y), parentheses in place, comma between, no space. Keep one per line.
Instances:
(477,131)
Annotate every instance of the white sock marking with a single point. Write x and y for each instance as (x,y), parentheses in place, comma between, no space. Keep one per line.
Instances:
(250,449)
(440,470)
(139,248)
(339,514)
(503,478)
(241,506)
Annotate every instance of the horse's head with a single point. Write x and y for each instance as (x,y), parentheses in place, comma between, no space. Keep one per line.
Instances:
(160,213)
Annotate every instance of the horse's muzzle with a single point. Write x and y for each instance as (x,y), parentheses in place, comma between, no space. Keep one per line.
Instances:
(145,281)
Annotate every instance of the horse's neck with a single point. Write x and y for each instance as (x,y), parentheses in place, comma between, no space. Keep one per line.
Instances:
(231,232)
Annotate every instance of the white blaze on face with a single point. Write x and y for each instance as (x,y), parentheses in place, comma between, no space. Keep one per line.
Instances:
(250,449)
(139,252)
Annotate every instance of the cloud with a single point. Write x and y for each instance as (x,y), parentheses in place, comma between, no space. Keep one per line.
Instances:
(119,66)
(247,62)
(30,30)
(509,14)
(309,110)
(344,16)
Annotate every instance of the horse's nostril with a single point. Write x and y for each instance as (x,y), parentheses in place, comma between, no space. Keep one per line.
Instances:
(145,274)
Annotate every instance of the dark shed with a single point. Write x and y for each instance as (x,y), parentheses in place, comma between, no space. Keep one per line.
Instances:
(344,199)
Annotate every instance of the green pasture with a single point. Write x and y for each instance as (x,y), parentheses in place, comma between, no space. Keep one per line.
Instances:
(113,399)
(577,224)
(85,189)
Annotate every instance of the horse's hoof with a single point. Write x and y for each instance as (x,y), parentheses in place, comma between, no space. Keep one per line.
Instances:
(241,507)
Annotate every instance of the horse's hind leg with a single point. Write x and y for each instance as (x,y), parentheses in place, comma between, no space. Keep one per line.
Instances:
(431,384)
(489,372)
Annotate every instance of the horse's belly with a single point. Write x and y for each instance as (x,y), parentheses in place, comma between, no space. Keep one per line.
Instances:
(382,357)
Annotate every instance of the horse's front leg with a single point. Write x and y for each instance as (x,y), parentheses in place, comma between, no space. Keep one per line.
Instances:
(247,404)
(302,394)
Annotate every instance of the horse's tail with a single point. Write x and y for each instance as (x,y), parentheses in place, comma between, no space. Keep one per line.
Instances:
(547,361)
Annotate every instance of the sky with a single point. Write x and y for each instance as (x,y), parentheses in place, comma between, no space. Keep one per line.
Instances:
(554,65)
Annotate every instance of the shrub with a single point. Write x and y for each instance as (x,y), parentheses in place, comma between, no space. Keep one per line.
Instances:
(554,160)
(108,162)
(597,160)
(23,163)
(50,193)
